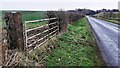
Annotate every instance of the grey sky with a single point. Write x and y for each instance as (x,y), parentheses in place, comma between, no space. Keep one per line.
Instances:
(57,4)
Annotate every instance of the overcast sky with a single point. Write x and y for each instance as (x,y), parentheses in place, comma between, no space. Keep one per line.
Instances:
(57,4)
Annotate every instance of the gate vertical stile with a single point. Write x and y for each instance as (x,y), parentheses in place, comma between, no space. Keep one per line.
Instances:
(26,47)
(48,30)
(58,25)
(25,32)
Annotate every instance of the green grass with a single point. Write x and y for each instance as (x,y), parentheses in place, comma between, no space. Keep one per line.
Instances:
(115,15)
(32,15)
(35,24)
(28,16)
(113,21)
(77,48)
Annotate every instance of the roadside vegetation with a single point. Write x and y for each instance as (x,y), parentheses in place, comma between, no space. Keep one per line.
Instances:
(113,17)
(75,45)
(76,48)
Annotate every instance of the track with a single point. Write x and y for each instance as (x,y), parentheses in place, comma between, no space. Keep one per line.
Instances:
(108,35)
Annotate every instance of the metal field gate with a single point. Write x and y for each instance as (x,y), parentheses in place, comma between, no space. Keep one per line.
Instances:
(35,37)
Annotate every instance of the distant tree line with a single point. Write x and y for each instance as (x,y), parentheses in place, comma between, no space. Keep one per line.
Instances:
(92,12)
(110,14)
(107,10)
(84,11)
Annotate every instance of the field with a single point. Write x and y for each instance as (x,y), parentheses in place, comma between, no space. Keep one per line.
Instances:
(32,15)
(28,16)
(35,24)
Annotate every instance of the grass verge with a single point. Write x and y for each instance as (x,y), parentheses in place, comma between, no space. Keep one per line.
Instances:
(112,21)
(76,48)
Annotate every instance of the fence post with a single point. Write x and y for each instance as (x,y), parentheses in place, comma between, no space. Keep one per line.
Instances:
(58,25)
(15,30)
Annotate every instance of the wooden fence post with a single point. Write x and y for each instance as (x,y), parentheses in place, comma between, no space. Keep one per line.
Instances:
(15,30)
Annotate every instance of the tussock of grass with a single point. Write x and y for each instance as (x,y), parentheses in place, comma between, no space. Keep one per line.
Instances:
(77,48)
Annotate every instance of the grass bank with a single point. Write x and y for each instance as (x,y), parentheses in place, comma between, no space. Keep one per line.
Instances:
(76,48)
(110,20)
(107,16)
(114,21)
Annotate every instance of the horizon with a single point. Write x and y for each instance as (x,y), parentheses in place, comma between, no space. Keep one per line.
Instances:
(50,10)
(35,5)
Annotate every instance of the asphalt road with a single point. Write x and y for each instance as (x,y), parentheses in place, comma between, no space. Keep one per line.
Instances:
(108,35)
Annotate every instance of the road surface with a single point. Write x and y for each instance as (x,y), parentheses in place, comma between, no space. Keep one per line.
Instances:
(107,34)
